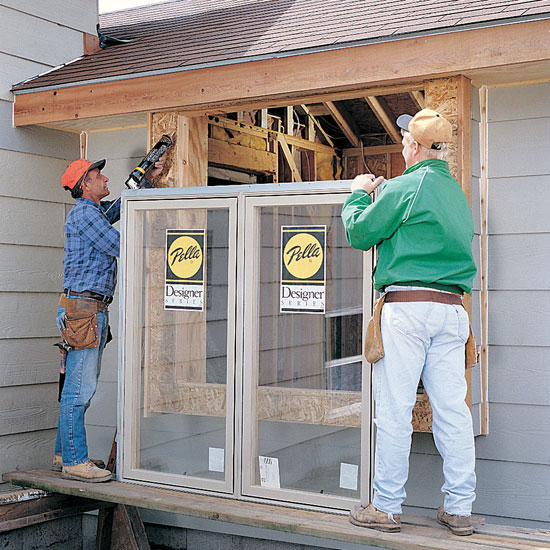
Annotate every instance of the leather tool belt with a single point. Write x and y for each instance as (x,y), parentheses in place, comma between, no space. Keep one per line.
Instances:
(374,348)
(88,294)
(423,296)
(79,328)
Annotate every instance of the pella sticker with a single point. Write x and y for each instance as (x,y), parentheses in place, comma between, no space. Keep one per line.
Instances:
(185,269)
(303,279)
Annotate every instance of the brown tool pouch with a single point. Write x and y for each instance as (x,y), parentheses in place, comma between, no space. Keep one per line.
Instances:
(80,329)
(374,349)
(471,350)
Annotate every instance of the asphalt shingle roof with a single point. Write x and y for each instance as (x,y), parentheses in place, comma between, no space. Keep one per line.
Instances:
(181,34)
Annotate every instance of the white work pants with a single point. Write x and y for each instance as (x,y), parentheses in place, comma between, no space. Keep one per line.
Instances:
(423,340)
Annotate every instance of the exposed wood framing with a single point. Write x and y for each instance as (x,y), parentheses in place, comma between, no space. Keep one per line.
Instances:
(289,158)
(227,154)
(484,253)
(289,120)
(345,122)
(317,124)
(380,112)
(374,150)
(328,408)
(418,97)
(294,77)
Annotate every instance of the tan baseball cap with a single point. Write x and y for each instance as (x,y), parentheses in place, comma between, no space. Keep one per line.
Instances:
(427,127)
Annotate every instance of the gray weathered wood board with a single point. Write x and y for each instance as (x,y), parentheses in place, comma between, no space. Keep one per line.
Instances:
(519,374)
(38,40)
(519,204)
(519,318)
(28,408)
(21,451)
(519,148)
(519,102)
(26,361)
(33,223)
(31,268)
(519,262)
(35,177)
(28,314)
(78,14)
(14,70)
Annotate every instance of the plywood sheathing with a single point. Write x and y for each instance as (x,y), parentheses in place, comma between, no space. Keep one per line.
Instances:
(175,341)
(452,98)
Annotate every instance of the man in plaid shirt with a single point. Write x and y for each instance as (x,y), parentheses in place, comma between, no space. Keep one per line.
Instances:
(92,246)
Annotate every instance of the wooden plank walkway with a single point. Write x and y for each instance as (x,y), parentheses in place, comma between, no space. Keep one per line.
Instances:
(418,533)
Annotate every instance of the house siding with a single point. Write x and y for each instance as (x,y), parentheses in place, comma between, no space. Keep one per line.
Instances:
(36,38)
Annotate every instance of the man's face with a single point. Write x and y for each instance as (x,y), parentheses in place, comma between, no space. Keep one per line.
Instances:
(95,186)
(409,150)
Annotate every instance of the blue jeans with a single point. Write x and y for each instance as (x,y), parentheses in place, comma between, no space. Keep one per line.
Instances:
(423,340)
(81,375)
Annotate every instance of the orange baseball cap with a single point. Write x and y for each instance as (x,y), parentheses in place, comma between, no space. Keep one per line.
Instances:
(427,127)
(76,172)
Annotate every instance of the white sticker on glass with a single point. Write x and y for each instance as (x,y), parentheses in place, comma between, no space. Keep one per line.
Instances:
(216,459)
(269,472)
(348,476)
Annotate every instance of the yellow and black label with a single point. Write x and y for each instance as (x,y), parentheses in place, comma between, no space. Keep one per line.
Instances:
(303,280)
(185,269)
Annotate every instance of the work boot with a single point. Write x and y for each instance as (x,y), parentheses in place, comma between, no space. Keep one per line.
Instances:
(369,516)
(86,471)
(459,525)
(57,464)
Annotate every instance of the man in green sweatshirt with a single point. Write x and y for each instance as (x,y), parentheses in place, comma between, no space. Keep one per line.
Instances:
(423,228)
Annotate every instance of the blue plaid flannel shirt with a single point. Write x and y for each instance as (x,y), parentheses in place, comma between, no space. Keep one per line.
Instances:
(92,246)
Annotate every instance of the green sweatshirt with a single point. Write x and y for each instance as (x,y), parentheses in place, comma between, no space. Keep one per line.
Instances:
(423,226)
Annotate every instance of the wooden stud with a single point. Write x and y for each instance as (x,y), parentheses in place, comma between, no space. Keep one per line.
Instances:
(345,122)
(289,158)
(484,306)
(317,124)
(289,120)
(380,112)
(373,150)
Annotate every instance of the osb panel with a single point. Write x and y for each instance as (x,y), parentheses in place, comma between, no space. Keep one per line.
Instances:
(165,123)
(422,414)
(326,408)
(442,95)
(175,341)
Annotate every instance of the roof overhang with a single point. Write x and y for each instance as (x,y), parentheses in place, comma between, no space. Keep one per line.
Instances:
(498,54)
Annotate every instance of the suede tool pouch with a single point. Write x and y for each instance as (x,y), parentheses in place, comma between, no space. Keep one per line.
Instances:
(80,329)
(374,349)
(471,350)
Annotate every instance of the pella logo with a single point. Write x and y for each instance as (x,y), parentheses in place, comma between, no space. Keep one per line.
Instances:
(303,255)
(185,257)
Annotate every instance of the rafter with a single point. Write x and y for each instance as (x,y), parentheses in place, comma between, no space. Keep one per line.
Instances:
(380,112)
(418,99)
(345,122)
(317,124)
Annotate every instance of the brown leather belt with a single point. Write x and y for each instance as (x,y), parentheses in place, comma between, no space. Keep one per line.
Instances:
(89,294)
(423,296)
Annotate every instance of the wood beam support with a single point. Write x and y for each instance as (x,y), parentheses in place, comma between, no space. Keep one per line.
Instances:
(287,153)
(380,112)
(271,82)
(317,124)
(345,122)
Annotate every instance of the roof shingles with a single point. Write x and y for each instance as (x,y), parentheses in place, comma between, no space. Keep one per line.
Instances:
(187,33)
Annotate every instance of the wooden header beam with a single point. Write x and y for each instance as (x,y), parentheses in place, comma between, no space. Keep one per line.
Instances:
(279,81)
